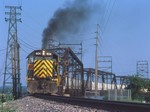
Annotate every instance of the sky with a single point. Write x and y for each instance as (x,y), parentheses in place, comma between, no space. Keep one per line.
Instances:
(124,31)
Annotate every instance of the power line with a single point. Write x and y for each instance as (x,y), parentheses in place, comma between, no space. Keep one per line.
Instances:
(99,21)
(20,2)
(25,37)
(24,50)
(28,45)
(109,16)
(106,12)
(2,50)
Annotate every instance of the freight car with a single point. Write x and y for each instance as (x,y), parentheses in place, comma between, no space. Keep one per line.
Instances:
(42,72)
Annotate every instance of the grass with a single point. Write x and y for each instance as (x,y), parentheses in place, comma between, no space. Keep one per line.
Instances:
(3,107)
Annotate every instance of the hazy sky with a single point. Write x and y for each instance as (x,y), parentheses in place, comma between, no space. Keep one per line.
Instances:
(125,31)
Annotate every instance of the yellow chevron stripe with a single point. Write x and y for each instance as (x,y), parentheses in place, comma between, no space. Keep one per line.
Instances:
(39,72)
(50,62)
(49,70)
(42,76)
(43,68)
(48,65)
(36,62)
(43,72)
(38,65)
(44,65)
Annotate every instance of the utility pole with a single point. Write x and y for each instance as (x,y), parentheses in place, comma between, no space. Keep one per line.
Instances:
(81,49)
(12,61)
(96,63)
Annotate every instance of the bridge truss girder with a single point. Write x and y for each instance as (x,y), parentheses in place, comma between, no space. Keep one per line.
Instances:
(71,72)
(104,78)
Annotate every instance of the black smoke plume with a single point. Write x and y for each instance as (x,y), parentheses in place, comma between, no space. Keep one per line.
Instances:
(67,20)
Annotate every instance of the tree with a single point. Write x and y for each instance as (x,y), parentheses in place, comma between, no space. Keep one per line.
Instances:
(137,84)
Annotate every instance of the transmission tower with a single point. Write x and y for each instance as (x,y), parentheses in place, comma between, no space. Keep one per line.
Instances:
(142,68)
(12,61)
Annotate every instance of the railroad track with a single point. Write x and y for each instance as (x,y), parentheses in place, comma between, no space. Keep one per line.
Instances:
(113,106)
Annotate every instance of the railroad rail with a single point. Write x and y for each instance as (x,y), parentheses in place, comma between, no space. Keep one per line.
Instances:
(113,106)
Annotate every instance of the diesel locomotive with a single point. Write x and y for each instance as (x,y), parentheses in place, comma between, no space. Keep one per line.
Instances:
(42,72)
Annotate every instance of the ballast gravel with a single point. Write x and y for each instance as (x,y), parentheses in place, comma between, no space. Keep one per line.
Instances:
(32,104)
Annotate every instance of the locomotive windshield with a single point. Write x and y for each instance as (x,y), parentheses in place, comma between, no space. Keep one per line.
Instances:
(43,58)
(42,55)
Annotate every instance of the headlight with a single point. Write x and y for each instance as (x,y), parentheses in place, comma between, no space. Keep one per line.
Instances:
(43,52)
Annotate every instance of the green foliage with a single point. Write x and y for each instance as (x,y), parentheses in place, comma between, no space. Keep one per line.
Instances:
(7,110)
(4,108)
(137,85)
(147,96)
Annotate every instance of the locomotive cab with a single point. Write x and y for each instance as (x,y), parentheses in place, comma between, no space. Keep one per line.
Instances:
(42,72)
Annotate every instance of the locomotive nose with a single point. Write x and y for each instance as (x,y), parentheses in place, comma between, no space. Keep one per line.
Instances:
(42,85)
